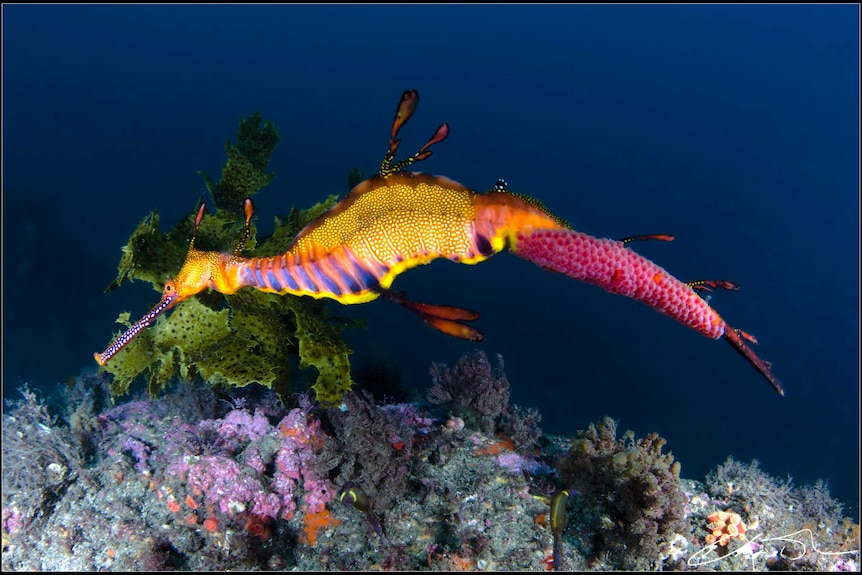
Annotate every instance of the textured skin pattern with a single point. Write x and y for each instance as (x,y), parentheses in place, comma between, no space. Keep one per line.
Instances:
(382,228)
(386,226)
(404,216)
(611,265)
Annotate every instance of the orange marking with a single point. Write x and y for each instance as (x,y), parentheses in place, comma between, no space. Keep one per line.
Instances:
(277,266)
(211,523)
(497,447)
(314,522)
(248,210)
(257,525)
(453,328)
(657,278)
(458,563)
(747,336)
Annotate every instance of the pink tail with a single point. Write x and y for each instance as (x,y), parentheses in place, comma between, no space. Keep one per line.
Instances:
(609,264)
(616,268)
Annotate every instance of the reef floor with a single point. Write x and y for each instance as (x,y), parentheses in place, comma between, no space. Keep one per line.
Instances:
(204,479)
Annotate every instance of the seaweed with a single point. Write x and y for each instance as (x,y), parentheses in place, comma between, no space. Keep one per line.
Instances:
(372,446)
(628,493)
(472,389)
(231,340)
(41,460)
(244,173)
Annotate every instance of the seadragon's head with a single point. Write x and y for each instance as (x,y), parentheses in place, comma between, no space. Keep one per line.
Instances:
(194,277)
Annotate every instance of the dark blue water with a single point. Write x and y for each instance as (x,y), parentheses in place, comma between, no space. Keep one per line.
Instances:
(733,127)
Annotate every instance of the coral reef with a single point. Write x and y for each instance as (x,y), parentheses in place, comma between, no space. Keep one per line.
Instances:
(723,527)
(40,462)
(238,339)
(786,527)
(373,446)
(203,478)
(472,389)
(478,394)
(629,495)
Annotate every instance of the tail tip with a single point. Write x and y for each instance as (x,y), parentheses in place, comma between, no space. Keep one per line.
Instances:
(764,367)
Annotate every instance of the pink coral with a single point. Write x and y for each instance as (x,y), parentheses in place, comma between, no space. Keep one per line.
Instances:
(407,415)
(224,483)
(140,451)
(240,425)
(516,464)
(296,459)
(254,459)
(318,492)
(268,504)
(226,460)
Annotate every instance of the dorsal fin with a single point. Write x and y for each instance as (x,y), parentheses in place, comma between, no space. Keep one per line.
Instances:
(530,200)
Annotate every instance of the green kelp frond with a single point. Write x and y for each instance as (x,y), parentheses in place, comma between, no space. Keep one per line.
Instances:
(285,229)
(153,256)
(135,359)
(256,142)
(149,256)
(251,339)
(244,173)
(233,340)
(321,346)
(193,339)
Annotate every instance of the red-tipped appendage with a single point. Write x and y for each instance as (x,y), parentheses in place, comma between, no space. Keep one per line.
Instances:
(406,107)
(198,217)
(441,134)
(609,264)
(247,211)
(445,318)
